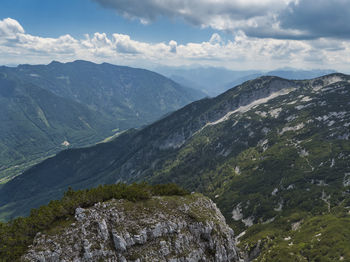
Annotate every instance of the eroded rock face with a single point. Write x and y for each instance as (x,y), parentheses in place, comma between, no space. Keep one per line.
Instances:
(175,229)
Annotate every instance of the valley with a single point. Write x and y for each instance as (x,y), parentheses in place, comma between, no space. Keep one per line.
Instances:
(175,131)
(272,153)
(48,108)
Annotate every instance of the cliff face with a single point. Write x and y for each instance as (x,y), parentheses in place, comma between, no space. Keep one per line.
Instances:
(189,228)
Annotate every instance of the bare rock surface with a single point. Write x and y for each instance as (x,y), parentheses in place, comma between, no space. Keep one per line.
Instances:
(176,229)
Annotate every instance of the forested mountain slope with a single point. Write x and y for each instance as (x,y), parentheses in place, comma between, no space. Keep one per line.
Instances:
(45,108)
(132,96)
(272,153)
(36,123)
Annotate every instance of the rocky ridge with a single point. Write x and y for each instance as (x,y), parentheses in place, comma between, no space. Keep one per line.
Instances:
(189,228)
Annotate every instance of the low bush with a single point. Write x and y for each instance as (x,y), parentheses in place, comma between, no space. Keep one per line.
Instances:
(17,234)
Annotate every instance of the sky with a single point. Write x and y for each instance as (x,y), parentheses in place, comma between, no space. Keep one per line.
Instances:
(235,34)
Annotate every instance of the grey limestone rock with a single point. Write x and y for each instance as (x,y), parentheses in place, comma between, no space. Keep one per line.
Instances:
(176,229)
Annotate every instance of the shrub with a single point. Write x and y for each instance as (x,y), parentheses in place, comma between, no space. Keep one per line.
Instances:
(17,234)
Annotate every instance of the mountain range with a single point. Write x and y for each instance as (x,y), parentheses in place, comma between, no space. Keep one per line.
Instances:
(47,108)
(215,80)
(272,153)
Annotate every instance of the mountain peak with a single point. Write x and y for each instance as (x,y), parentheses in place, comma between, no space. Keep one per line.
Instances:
(79,61)
(54,62)
(75,62)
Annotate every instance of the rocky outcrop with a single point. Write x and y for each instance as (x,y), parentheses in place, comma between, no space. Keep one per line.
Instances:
(189,228)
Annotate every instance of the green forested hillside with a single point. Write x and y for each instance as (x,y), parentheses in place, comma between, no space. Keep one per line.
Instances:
(45,108)
(132,96)
(272,153)
(35,124)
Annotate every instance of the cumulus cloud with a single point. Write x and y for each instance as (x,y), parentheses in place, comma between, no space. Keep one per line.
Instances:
(240,52)
(215,39)
(173,46)
(9,27)
(281,19)
(124,44)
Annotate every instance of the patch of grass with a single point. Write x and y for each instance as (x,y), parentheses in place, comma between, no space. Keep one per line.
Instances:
(319,238)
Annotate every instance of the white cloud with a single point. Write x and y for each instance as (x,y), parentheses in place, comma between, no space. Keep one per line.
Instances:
(173,46)
(215,39)
(241,52)
(9,27)
(124,44)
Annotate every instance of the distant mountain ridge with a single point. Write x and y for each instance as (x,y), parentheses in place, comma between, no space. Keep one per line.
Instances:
(132,96)
(45,108)
(288,73)
(214,80)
